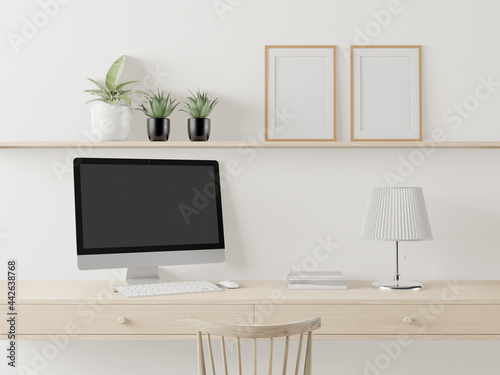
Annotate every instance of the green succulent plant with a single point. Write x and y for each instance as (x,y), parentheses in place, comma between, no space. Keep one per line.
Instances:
(112,92)
(157,105)
(199,106)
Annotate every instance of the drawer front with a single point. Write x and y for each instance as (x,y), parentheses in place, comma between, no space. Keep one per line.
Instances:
(123,320)
(390,319)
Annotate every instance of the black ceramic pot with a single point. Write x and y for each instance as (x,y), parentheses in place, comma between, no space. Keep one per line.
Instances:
(199,129)
(158,129)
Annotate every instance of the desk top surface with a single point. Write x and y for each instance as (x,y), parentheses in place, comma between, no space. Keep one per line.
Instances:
(258,292)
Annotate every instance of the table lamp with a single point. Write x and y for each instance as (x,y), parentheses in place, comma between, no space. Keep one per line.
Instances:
(396,214)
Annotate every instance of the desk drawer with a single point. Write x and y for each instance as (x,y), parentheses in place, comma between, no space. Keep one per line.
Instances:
(137,320)
(390,319)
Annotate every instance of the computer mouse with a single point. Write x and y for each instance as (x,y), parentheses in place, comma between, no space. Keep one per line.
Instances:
(228,284)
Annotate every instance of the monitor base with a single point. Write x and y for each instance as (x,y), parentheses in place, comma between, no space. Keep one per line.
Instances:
(143,275)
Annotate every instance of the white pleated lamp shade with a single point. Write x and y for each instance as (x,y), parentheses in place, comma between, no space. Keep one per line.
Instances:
(396,214)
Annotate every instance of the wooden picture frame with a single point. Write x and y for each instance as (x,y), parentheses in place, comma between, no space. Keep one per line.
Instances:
(301,93)
(386,93)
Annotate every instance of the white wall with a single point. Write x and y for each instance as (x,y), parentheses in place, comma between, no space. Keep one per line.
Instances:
(282,202)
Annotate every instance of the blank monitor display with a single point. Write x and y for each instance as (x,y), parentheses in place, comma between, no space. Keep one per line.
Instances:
(125,205)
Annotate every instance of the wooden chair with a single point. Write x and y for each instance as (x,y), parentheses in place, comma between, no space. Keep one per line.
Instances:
(255,332)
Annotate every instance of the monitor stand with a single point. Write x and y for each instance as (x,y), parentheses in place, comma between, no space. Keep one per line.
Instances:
(143,275)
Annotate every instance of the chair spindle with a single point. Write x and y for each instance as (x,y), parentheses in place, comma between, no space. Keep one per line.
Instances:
(299,352)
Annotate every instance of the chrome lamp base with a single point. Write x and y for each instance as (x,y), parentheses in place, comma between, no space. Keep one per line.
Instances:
(397,283)
(400,285)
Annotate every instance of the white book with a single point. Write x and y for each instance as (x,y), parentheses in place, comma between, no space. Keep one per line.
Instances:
(313,287)
(314,276)
(325,282)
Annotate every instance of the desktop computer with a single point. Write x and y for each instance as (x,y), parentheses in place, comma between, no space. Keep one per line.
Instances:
(140,214)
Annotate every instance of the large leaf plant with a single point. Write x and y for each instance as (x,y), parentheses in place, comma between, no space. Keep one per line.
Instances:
(112,92)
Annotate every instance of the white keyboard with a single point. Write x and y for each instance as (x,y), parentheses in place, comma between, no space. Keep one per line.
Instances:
(167,288)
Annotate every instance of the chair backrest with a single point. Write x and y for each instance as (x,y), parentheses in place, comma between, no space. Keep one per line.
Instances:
(302,328)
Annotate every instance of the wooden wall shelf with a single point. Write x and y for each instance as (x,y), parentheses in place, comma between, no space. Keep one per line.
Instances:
(244,144)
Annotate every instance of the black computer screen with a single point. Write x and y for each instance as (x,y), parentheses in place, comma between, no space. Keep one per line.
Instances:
(138,205)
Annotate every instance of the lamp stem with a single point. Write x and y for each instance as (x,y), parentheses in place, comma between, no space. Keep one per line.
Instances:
(397,276)
(396,283)
(397,257)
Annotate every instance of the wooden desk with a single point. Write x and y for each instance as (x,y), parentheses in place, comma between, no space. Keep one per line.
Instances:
(91,310)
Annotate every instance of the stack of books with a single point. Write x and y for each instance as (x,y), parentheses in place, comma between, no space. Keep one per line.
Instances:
(316,280)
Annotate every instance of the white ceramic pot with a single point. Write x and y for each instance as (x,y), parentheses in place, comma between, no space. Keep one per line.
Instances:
(111,122)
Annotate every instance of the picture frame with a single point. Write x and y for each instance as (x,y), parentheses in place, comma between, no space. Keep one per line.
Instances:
(300,93)
(386,93)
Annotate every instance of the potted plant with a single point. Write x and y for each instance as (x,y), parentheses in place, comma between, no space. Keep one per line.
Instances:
(111,112)
(199,108)
(158,107)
